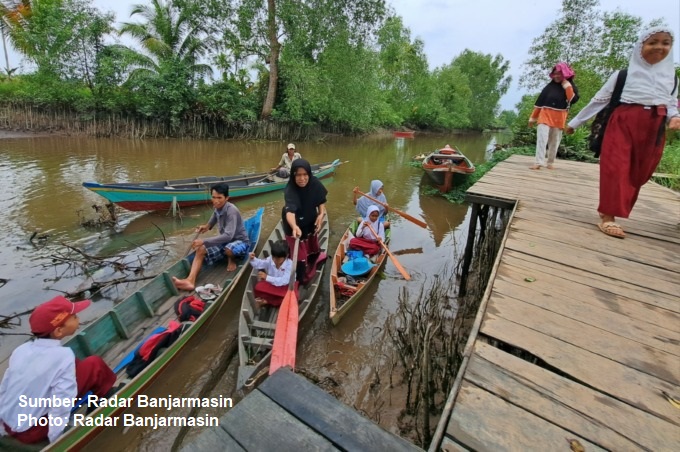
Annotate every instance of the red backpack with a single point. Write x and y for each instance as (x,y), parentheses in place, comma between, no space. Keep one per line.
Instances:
(189,308)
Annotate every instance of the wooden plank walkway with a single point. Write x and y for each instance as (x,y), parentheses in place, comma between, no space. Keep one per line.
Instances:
(601,321)
(288,413)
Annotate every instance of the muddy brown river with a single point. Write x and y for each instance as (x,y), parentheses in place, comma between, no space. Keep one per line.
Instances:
(41,197)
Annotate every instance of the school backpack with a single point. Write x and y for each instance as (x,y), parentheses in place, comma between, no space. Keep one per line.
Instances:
(599,125)
(597,128)
(189,308)
(152,346)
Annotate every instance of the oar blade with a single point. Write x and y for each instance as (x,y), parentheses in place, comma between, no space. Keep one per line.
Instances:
(285,336)
(396,263)
(410,218)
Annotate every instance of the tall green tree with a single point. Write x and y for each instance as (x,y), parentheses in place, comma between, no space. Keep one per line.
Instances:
(488,83)
(454,98)
(404,74)
(585,37)
(61,37)
(169,65)
(261,29)
(571,37)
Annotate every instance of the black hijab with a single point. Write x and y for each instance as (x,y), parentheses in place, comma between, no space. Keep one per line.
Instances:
(303,201)
(553,96)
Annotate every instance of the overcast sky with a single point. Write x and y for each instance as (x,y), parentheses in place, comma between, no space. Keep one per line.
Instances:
(506,27)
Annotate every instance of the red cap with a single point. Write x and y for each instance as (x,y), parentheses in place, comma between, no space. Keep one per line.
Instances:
(52,314)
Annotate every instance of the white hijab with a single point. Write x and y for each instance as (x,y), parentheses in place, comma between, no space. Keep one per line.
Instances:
(649,84)
(376,225)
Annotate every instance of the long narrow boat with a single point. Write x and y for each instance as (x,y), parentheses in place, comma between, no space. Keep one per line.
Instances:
(404,134)
(117,334)
(447,166)
(345,292)
(256,327)
(164,194)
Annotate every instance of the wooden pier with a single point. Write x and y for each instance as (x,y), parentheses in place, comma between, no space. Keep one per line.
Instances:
(577,340)
(288,413)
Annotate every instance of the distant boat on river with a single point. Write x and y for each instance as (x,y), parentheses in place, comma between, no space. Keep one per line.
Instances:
(163,195)
(447,166)
(404,134)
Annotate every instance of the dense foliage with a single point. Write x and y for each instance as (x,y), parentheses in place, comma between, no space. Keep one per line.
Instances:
(349,66)
(571,38)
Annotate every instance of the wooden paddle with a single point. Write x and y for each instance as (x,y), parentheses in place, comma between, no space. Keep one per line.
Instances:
(396,263)
(285,335)
(414,220)
(186,253)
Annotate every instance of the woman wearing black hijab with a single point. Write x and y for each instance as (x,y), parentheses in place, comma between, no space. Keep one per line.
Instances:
(302,216)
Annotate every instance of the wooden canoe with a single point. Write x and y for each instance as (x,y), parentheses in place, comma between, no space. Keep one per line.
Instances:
(118,333)
(163,195)
(256,328)
(343,294)
(447,167)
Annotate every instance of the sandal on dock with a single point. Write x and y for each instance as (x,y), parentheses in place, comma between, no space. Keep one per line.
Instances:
(612,229)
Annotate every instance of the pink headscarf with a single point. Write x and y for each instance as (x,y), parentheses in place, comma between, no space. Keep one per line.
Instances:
(566,71)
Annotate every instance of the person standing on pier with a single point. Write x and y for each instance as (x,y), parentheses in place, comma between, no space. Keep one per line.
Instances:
(550,112)
(634,139)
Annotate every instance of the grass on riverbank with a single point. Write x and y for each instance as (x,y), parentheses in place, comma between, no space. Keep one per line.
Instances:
(670,164)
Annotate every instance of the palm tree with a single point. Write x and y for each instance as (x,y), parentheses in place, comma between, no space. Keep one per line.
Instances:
(14,16)
(167,39)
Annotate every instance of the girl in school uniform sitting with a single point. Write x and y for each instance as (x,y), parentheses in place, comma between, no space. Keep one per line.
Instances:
(364,239)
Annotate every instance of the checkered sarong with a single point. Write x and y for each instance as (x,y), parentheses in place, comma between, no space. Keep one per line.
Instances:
(216,253)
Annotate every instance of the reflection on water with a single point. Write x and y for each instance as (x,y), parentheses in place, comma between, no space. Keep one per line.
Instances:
(41,191)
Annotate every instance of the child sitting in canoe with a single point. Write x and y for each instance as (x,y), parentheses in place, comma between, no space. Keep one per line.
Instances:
(42,369)
(273,275)
(376,192)
(364,239)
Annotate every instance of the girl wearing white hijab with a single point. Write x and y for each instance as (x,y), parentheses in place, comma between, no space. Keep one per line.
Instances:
(633,143)
(364,239)
(362,204)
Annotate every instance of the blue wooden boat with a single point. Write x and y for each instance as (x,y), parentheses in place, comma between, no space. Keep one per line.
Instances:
(163,195)
(117,334)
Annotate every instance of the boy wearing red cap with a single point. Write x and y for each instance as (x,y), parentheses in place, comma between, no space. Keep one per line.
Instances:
(44,379)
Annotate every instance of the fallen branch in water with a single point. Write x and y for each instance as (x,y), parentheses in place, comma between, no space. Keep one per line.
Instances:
(98,286)
(6,320)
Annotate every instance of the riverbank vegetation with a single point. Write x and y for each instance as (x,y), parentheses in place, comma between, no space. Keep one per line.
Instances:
(570,38)
(236,68)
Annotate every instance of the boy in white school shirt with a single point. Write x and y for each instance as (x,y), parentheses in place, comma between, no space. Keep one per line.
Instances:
(42,372)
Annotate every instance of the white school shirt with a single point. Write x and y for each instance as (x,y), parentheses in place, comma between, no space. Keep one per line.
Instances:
(364,232)
(38,368)
(275,276)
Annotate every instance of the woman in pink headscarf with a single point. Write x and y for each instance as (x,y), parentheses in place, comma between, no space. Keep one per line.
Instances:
(550,112)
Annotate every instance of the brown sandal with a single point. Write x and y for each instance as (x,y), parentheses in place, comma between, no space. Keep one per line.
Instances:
(612,229)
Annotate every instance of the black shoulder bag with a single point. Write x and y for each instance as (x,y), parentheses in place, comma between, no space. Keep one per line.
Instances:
(599,124)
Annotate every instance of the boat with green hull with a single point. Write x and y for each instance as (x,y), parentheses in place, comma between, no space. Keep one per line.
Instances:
(166,194)
(116,335)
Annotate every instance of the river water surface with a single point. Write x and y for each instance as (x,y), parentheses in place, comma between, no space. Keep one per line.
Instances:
(41,196)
